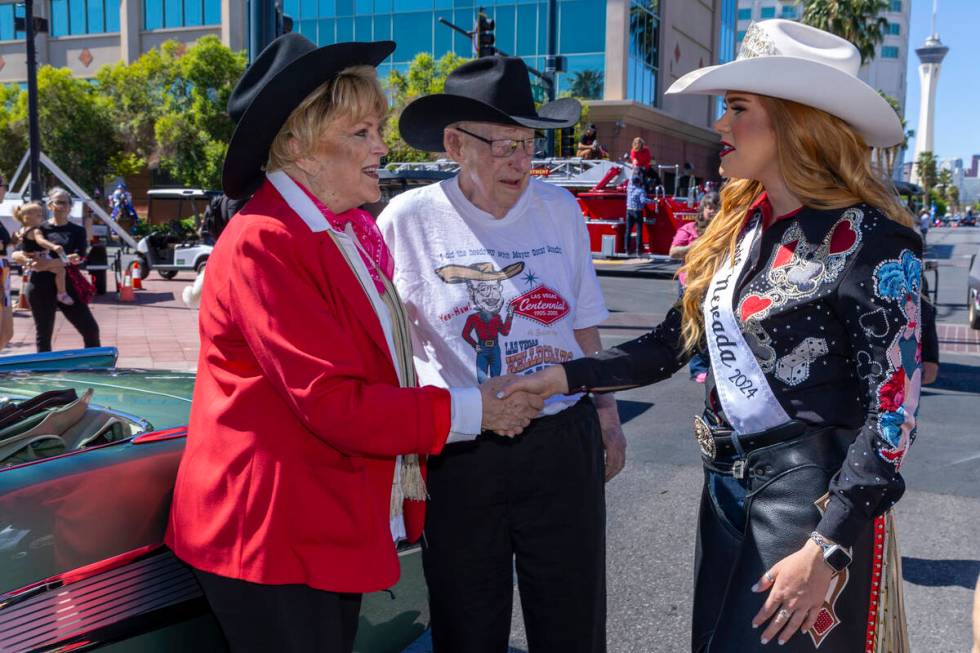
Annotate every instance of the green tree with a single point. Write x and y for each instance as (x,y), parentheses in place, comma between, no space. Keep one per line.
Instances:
(13,133)
(135,94)
(426,75)
(77,130)
(887,156)
(858,21)
(925,168)
(587,84)
(169,108)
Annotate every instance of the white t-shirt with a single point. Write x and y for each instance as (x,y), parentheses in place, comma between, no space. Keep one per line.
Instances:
(488,297)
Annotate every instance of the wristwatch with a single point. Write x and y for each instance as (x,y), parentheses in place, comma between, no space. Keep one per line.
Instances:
(833,554)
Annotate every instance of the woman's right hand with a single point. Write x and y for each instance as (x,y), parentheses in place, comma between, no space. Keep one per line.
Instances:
(46,264)
(548,382)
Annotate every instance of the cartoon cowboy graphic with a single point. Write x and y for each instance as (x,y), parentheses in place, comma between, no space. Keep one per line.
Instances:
(483,281)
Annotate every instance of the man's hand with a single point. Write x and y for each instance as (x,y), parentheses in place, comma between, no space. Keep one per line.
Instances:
(510,415)
(613,440)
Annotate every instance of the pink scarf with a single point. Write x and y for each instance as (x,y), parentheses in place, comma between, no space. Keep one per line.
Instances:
(373,249)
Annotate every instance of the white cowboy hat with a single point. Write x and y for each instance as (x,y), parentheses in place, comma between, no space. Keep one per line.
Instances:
(793,61)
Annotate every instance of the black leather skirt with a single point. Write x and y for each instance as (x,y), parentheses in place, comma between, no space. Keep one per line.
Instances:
(762,498)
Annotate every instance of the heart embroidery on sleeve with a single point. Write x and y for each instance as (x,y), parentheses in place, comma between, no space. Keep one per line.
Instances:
(752,305)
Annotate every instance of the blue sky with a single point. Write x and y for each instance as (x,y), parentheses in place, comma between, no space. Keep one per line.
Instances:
(957,132)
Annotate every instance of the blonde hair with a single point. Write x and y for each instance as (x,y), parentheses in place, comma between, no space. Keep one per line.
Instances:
(638,143)
(21,212)
(354,93)
(825,164)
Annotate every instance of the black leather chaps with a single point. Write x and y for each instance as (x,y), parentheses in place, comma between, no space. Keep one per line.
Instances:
(784,483)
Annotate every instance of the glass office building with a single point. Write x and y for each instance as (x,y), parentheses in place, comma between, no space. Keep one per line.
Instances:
(521,30)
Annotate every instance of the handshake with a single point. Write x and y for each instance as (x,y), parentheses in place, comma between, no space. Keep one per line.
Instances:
(510,402)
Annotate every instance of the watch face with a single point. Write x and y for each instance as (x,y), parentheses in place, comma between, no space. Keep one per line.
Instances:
(837,559)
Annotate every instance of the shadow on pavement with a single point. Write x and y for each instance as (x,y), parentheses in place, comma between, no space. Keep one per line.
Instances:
(941,573)
(955,376)
(632,409)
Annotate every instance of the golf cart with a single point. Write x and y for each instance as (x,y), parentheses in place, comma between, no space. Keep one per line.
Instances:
(171,245)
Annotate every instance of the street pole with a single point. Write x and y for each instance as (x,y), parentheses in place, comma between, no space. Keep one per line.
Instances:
(551,46)
(33,129)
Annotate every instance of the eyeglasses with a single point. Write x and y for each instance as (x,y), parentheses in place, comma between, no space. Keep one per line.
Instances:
(60,202)
(503,148)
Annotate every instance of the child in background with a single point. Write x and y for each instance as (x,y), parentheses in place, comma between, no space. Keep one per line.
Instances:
(31,216)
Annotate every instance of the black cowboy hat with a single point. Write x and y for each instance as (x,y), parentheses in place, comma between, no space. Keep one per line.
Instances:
(490,89)
(287,71)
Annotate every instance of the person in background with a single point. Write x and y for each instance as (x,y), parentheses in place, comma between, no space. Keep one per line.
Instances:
(31,217)
(930,342)
(925,221)
(687,181)
(636,201)
(683,240)
(7,310)
(586,141)
(40,289)
(220,211)
(640,155)
(976,618)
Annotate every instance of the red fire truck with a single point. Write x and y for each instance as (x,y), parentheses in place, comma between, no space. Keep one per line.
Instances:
(600,187)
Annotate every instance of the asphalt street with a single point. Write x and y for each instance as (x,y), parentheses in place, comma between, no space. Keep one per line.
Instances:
(652,504)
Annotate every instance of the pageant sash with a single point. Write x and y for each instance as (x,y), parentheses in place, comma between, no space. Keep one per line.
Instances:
(749,403)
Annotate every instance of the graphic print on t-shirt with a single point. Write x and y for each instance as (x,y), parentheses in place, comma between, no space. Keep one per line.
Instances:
(484,325)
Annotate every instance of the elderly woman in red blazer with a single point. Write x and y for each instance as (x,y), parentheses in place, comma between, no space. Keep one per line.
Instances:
(307,423)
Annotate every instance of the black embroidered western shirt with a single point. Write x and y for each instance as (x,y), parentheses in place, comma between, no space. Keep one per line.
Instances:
(829,304)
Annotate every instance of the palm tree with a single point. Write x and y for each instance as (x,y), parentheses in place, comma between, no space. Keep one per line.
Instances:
(858,21)
(926,169)
(587,84)
(886,156)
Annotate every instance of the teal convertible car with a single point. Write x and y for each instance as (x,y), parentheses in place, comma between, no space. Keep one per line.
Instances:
(88,459)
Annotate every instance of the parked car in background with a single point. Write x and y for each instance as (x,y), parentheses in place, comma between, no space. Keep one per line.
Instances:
(969,219)
(973,292)
(82,516)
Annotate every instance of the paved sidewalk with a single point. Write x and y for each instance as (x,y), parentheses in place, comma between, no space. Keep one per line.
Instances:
(156,331)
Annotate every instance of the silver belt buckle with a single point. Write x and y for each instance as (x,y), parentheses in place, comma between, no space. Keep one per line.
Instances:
(702,433)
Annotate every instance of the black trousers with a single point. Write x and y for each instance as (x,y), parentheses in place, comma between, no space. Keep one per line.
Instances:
(42,295)
(281,618)
(537,499)
(634,218)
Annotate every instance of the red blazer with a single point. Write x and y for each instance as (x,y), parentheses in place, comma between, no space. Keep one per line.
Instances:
(297,416)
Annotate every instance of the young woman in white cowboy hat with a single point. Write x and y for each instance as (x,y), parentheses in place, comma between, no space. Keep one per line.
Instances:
(804,291)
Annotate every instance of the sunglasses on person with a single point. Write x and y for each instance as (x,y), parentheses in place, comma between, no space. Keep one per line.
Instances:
(503,147)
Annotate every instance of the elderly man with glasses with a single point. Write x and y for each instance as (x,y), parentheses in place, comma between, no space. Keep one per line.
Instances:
(495,270)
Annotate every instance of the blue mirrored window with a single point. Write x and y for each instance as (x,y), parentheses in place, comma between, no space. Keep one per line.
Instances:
(169,14)
(70,17)
(889,52)
(745,14)
(894,28)
(896,5)
(643,51)
(767,12)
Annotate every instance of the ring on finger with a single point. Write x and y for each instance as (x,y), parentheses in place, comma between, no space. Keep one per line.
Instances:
(770,577)
(783,615)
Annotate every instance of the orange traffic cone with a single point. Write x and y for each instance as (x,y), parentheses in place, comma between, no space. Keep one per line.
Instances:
(126,293)
(22,303)
(137,273)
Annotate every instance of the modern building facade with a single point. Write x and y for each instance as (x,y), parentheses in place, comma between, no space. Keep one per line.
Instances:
(620,54)
(886,72)
(83,35)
